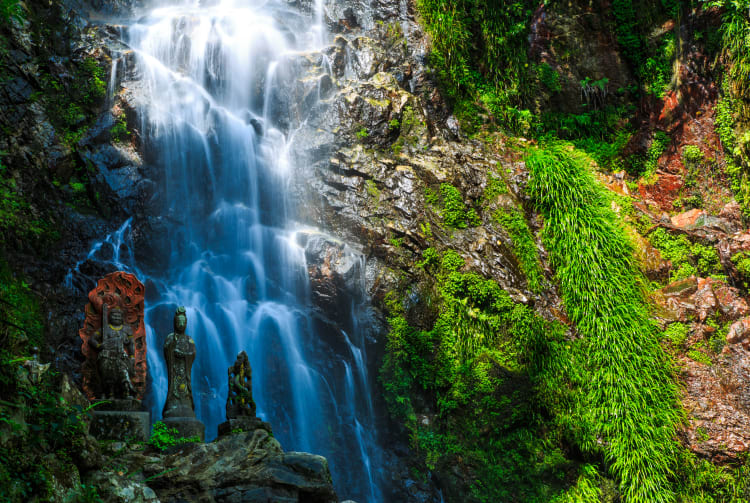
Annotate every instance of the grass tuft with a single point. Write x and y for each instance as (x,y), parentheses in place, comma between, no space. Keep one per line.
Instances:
(628,409)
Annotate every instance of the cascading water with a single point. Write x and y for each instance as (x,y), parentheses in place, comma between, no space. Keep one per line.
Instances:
(214,119)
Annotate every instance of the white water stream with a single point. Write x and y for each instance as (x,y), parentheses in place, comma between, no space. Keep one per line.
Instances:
(215,74)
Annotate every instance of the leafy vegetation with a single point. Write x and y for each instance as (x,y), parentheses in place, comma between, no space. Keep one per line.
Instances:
(34,421)
(164,437)
(480,57)
(687,258)
(485,383)
(659,143)
(120,130)
(628,393)
(16,219)
(10,9)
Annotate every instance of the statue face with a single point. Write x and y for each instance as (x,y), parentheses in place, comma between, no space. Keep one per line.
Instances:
(115,317)
(180,323)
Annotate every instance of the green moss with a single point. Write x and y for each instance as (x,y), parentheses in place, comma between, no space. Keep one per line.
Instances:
(656,70)
(691,154)
(10,9)
(659,143)
(16,216)
(676,333)
(409,129)
(481,366)
(455,213)
(524,246)
(699,356)
(549,78)
(702,481)
(727,109)
(494,188)
(431,197)
(479,52)
(687,258)
(163,437)
(372,189)
(628,392)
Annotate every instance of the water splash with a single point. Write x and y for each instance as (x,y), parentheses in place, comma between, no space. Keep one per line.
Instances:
(218,84)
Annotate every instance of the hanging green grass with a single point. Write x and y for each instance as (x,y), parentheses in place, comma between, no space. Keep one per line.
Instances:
(628,407)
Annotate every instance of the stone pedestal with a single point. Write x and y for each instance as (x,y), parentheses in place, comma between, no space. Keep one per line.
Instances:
(126,426)
(121,419)
(187,426)
(233,425)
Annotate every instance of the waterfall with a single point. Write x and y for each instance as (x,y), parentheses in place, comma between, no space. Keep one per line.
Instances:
(216,122)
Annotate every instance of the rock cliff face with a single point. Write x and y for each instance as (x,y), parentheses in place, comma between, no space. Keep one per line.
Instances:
(384,144)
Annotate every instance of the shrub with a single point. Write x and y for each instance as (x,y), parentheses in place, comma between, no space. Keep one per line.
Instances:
(163,437)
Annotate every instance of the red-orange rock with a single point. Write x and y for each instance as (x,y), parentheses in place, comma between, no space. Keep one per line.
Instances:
(663,191)
(123,290)
(730,303)
(689,219)
(704,298)
(739,332)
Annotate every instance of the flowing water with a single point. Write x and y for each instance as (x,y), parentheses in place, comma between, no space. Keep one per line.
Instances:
(216,79)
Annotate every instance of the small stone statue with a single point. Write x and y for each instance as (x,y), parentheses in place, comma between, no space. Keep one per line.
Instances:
(179,353)
(240,401)
(240,404)
(32,369)
(116,353)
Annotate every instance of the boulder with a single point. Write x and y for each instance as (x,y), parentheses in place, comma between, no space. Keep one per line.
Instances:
(242,467)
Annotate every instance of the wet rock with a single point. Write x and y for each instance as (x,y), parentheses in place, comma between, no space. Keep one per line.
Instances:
(731,305)
(690,219)
(649,258)
(704,299)
(334,271)
(717,398)
(118,488)
(697,219)
(248,466)
(739,332)
(701,298)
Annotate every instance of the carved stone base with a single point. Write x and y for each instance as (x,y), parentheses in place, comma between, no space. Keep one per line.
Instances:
(187,426)
(123,425)
(234,425)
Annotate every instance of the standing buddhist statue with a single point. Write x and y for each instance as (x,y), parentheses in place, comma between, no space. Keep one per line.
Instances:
(179,354)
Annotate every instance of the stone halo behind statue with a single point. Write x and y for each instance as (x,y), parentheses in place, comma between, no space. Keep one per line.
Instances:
(114,345)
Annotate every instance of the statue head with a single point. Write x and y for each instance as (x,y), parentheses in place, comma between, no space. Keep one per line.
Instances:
(115,317)
(180,320)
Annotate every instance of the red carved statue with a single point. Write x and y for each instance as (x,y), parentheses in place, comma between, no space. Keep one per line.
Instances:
(114,339)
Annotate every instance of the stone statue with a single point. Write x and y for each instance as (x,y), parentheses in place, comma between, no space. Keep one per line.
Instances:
(240,404)
(240,401)
(179,353)
(116,354)
(114,344)
(114,339)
